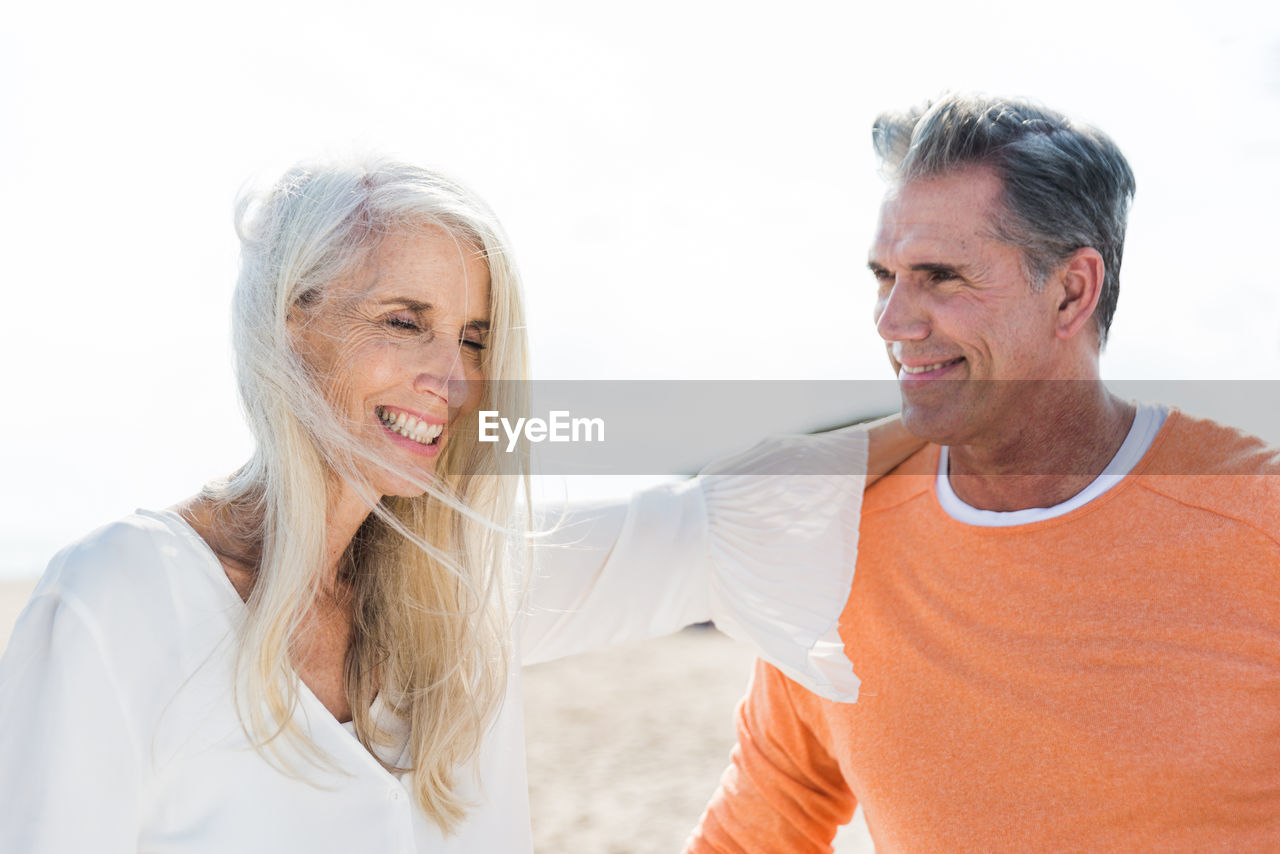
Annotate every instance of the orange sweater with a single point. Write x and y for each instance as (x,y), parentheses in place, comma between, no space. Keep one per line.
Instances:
(1108,680)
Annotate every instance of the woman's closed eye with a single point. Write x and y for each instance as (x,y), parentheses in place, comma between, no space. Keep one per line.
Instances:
(404,322)
(409,323)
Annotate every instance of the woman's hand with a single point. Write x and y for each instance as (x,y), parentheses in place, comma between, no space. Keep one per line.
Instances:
(890,444)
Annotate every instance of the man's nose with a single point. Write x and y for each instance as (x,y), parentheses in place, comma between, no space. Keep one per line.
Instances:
(899,317)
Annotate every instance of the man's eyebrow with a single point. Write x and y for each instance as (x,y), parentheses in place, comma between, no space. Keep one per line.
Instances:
(933,267)
(925,267)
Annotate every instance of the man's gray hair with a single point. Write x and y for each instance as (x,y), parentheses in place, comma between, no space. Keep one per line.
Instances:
(1066,185)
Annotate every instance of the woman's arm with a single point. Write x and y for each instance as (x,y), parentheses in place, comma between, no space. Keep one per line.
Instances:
(68,760)
(610,572)
(764,543)
(889,445)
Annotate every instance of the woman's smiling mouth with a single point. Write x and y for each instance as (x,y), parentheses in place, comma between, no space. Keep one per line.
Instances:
(409,426)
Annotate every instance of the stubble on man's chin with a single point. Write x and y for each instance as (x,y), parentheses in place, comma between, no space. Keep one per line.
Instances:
(940,424)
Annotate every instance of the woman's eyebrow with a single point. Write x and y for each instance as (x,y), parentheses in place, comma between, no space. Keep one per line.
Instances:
(411,304)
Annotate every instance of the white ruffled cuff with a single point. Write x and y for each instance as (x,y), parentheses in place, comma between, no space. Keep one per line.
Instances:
(783,523)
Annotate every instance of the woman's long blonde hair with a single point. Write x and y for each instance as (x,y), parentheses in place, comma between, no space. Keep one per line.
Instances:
(430,624)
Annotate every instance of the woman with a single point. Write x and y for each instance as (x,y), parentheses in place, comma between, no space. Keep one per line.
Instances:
(315,654)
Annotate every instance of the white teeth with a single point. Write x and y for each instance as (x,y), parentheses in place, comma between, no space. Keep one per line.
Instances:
(425,433)
(410,427)
(923,369)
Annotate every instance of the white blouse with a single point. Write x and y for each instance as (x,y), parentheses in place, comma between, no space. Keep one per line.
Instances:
(118,731)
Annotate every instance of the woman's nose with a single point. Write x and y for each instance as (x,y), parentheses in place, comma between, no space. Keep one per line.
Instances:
(443,371)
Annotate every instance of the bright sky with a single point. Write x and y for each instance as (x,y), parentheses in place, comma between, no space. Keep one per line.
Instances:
(689,188)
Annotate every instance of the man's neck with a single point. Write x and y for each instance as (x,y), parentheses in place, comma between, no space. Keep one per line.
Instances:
(1046,460)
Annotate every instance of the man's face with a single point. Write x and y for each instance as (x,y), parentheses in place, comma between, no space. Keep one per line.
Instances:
(957,312)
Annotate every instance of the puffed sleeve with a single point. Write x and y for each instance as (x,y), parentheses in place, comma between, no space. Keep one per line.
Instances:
(607,573)
(763,543)
(69,777)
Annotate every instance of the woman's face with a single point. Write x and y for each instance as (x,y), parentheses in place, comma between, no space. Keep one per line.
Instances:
(397,347)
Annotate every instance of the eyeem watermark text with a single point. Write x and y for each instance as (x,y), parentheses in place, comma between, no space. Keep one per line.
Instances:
(559,428)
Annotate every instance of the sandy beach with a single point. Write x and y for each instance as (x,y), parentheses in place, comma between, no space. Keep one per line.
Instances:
(625,744)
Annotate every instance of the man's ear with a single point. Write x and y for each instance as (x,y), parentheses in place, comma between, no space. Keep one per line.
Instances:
(1079,284)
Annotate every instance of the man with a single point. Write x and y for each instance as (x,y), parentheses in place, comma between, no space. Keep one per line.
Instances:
(1066,609)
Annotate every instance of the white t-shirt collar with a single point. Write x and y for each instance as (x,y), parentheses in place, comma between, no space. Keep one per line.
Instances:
(1147,422)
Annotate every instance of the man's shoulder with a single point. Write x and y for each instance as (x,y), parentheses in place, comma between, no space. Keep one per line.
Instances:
(1192,445)
(1217,468)
(913,478)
